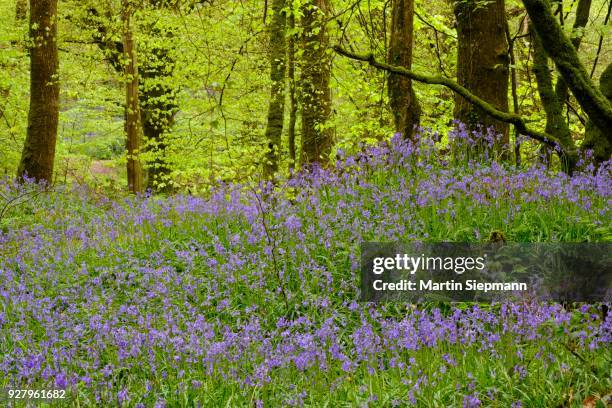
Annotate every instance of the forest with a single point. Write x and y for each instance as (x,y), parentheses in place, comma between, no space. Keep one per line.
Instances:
(188,189)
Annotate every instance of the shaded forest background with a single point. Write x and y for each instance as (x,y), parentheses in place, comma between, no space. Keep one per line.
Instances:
(221,83)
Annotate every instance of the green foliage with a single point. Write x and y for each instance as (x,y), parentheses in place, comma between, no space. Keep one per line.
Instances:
(221,74)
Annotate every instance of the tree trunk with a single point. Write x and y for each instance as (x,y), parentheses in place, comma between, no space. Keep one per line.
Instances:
(292,98)
(158,98)
(158,106)
(21,10)
(482,62)
(132,117)
(555,123)
(402,100)
(276,106)
(514,91)
(39,149)
(315,92)
(594,138)
(560,49)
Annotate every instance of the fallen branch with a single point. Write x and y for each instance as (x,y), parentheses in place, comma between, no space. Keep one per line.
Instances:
(512,118)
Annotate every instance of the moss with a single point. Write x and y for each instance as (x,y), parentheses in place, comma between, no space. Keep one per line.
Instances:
(560,49)
(594,138)
(276,107)
(553,106)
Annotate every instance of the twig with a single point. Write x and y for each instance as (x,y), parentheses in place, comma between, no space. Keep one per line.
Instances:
(272,243)
(601,36)
(13,202)
(579,357)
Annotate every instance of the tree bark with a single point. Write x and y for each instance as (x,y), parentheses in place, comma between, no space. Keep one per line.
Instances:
(292,98)
(553,106)
(514,91)
(594,138)
(133,127)
(158,96)
(560,49)
(482,62)
(158,107)
(38,154)
(402,99)
(276,106)
(315,93)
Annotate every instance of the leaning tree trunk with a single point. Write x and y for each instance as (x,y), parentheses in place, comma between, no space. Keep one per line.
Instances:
(133,127)
(552,104)
(482,62)
(594,138)
(560,49)
(39,149)
(276,106)
(315,92)
(402,100)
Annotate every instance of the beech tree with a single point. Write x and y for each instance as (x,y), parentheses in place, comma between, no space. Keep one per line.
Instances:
(402,99)
(315,67)
(38,153)
(133,126)
(276,106)
(158,106)
(293,108)
(482,61)
(157,94)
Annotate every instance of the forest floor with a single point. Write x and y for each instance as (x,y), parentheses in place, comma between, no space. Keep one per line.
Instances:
(247,297)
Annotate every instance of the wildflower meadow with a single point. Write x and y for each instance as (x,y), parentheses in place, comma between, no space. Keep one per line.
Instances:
(249,296)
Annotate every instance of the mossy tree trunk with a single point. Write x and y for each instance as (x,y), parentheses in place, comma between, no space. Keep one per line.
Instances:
(133,126)
(158,107)
(560,49)
(402,99)
(594,138)
(292,85)
(482,62)
(158,94)
(276,105)
(38,154)
(315,70)
(553,106)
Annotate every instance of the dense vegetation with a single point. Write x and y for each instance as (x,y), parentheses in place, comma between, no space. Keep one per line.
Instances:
(187,184)
(205,83)
(247,297)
